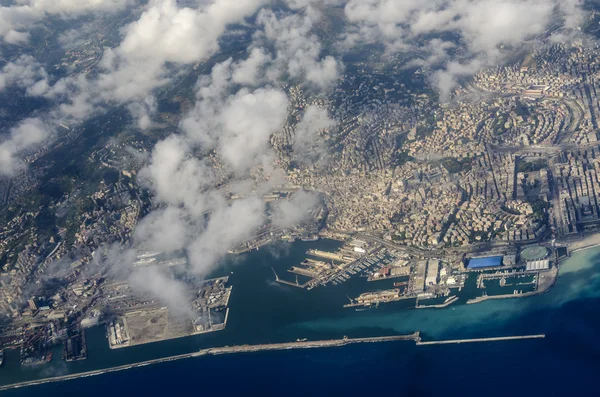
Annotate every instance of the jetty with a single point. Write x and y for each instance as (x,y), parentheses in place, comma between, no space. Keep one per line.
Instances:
(477,340)
(293,284)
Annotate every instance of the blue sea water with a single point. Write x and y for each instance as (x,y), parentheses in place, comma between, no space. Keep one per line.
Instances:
(566,362)
(562,365)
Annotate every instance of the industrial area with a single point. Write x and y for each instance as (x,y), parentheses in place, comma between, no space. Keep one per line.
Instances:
(149,321)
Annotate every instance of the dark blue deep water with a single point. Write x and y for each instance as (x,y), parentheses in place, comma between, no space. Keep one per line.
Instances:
(565,363)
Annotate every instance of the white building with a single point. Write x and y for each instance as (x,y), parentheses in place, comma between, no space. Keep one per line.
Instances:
(540,264)
(433,267)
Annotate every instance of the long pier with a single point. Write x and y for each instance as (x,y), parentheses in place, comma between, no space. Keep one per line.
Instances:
(476,340)
(306,344)
(296,284)
(223,350)
(266,347)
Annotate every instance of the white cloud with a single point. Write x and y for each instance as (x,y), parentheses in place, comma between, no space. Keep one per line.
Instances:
(163,285)
(25,72)
(178,179)
(238,126)
(447,79)
(164,229)
(155,47)
(75,7)
(163,34)
(247,122)
(227,227)
(308,145)
(296,209)
(248,71)
(483,27)
(16,19)
(143,111)
(297,50)
(27,135)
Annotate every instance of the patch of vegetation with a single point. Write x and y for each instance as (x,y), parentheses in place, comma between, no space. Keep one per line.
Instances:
(531,166)
(521,109)
(498,125)
(399,236)
(510,210)
(400,158)
(455,166)
(540,208)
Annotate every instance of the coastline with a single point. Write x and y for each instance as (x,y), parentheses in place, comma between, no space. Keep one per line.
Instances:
(579,245)
(587,242)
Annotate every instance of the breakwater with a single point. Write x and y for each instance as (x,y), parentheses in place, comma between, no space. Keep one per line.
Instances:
(476,340)
(300,344)
(224,350)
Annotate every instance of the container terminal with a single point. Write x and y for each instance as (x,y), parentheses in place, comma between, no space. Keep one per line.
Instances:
(138,320)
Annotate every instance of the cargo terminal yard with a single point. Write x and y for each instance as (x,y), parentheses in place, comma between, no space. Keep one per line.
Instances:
(208,312)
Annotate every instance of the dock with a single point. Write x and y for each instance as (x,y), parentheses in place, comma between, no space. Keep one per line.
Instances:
(448,302)
(477,340)
(327,255)
(75,348)
(504,296)
(290,283)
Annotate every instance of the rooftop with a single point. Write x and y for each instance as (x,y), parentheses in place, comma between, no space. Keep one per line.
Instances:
(488,261)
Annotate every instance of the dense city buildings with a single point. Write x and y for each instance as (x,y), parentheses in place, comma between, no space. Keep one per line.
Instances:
(490,184)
